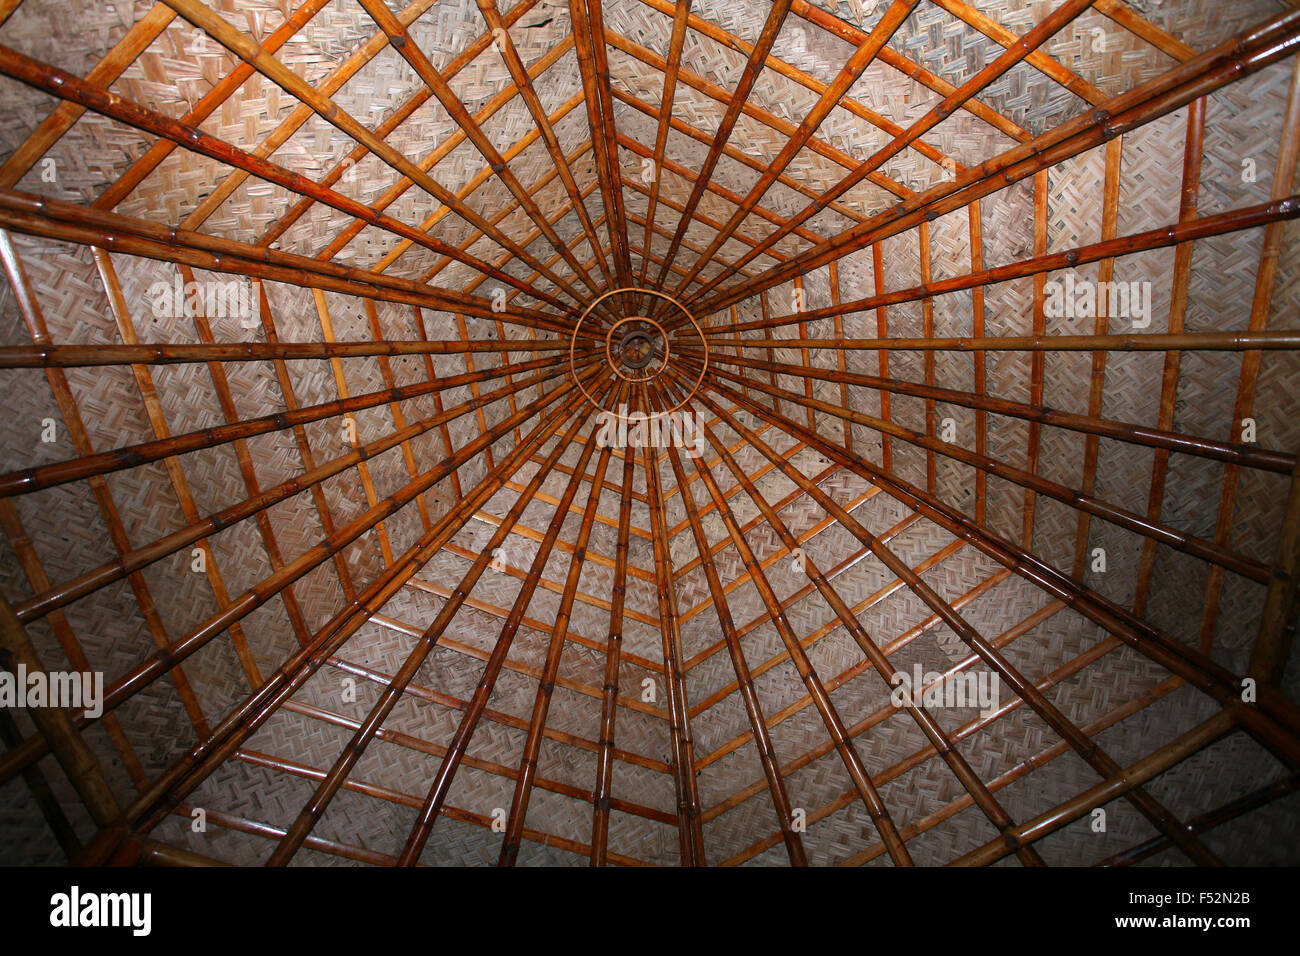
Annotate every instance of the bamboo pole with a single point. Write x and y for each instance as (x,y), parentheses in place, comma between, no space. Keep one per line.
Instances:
(1024,47)
(86,356)
(1272,720)
(689,826)
(613,658)
(57,728)
(1208,821)
(753,708)
(238,43)
(59,83)
(1084,746)
(672,66)
(928,725)
(27,480)
(1118,783)
(888,24)
(244,720)
(1183,231)
(1159,438)
(853,34)
(821,699)
(1152,342)
(728,39)
(456,748)
(55,219)
(402,41)
(1033,484)
(519,74)
(166,658)
(1284,180)
(1252,51)
(550,673)
(588,28)
(744,85)
(1193,151)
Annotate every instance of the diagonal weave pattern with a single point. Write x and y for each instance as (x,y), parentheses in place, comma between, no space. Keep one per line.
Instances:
(463,433)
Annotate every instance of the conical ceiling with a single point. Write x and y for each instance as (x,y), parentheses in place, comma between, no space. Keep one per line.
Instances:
(639,432)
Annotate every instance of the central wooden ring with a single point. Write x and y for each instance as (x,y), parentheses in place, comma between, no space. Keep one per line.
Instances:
(573,342)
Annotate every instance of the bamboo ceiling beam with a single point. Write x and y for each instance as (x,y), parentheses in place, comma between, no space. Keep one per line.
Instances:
(1023,48)
(1135,342)
(59,83)
(500,718)
(186,353)
(928,725)
(1086,748)
(25,481)
(826,708)
(853,34)
(718,34)
(166,659)
(1168,441)
(593,68)
(456,748)
(1038,58)
(107,71)
(771,120)
(1193,151)
(506,47)
(1261,307)
(551,671)
(753,708)
(1199,547)
(243,721)
(180,483)
(401,40)
(748,77)
(1273,720)
(681,14)
(689,825)
(1248,217)
(238,43)
(33,317)
(862,57)
(53,725)
(602,793)
(225,88)
(1257,48)
(52,218)
(1120,782)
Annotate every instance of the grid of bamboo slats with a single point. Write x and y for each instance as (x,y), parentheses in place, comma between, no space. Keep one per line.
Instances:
(367,544)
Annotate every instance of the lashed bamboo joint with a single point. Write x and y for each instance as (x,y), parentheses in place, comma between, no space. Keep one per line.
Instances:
(645,432)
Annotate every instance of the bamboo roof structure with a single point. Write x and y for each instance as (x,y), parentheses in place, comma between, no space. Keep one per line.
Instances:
(985,315)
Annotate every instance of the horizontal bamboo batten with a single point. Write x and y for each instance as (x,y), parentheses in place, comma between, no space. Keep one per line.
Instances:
(691,659)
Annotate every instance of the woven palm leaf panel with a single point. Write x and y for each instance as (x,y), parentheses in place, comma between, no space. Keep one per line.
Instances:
(327,340)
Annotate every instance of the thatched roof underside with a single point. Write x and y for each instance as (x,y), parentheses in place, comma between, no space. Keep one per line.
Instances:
(394,603)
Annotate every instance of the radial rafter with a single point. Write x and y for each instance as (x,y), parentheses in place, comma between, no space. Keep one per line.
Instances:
(454,415)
